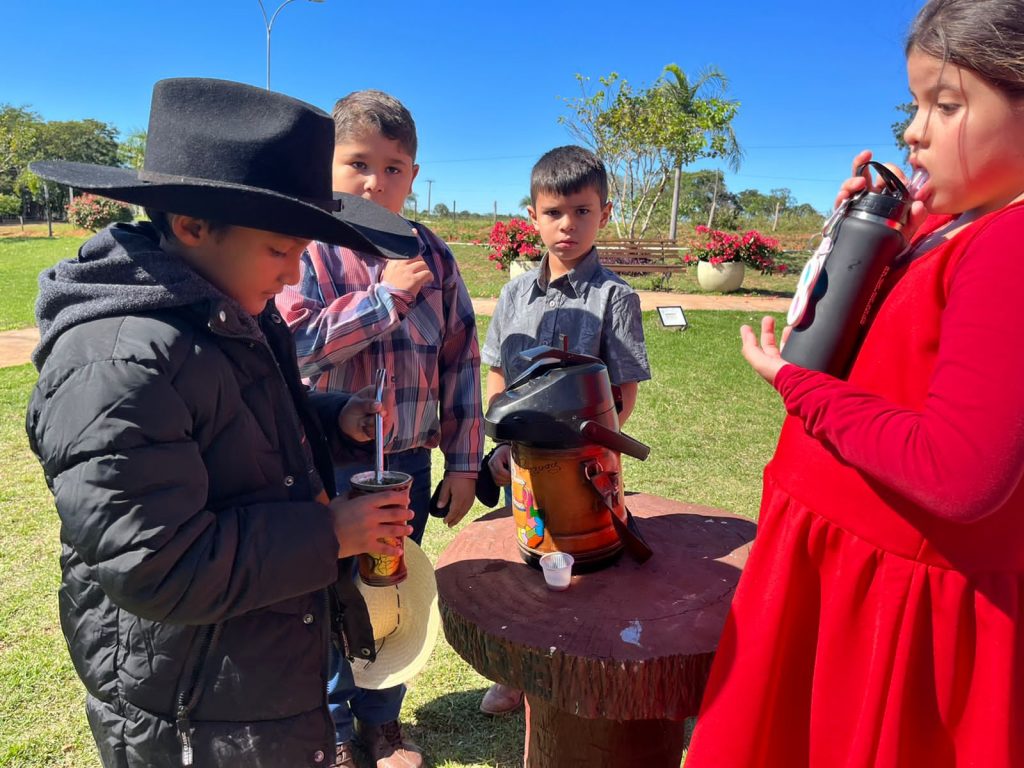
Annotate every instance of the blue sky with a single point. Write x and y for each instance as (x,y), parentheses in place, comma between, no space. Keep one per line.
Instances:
(817,81)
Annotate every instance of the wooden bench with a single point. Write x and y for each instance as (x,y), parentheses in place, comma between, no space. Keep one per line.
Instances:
(641,257)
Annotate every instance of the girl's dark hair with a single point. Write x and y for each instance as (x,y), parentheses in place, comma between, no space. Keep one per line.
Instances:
(568,170)
(163,224)
(984,36)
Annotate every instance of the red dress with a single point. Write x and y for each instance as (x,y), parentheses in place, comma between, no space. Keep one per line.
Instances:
(880,618)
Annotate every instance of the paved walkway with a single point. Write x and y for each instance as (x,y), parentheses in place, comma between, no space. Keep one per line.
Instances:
(650,300)
(17,346)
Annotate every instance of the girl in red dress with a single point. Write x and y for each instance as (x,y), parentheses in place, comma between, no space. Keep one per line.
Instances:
(880,619)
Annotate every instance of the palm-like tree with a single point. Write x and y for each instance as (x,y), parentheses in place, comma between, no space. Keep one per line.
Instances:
(710,83)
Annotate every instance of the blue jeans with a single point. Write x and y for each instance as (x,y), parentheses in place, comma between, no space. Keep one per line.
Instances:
(344,699)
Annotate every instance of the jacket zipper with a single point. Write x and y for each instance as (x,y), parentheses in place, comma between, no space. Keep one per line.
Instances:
(328,622)
(188,697)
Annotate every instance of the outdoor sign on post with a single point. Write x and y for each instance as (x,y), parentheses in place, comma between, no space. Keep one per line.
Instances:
(673,317)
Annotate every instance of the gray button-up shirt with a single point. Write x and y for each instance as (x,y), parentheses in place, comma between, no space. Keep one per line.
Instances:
(597,310)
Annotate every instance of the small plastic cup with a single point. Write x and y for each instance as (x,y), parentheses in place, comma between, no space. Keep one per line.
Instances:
(557,568)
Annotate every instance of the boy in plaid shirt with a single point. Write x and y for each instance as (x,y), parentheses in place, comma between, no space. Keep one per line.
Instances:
(352,313)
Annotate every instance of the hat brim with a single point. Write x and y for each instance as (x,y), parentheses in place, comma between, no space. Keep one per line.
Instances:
(359,224)
(404,652)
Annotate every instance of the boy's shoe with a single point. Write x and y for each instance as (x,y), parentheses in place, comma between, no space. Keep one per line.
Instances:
(343,756)
(387,748)
(501,700)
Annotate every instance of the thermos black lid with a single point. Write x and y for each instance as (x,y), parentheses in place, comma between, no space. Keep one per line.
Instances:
(883,205)
(892,203)
(546,406)
(562,401)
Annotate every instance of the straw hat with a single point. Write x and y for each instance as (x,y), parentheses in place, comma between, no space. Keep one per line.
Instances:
(405,621)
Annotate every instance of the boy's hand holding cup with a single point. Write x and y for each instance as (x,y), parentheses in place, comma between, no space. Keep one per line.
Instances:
(373,521)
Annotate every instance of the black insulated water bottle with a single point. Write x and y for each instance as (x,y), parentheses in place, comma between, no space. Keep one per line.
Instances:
(832,303)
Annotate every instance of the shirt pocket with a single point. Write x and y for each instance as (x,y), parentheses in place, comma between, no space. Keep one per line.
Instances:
(584,329)
(425,321)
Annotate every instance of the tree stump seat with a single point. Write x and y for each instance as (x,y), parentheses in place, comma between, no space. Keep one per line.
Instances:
(612,666)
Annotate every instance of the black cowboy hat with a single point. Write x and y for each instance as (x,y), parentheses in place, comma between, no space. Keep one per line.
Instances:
(237,154)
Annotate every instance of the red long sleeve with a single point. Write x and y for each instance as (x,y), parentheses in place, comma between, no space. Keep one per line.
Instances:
(961,455)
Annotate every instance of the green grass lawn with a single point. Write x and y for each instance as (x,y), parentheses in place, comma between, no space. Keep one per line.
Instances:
(21,261)
(711,424)
(23,258)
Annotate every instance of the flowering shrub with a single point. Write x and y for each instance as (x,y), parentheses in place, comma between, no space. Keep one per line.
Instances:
(511,240)
(10,206)
(751,248)
(93,212)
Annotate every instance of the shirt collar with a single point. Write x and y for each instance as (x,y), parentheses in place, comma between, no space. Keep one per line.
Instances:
(578,277)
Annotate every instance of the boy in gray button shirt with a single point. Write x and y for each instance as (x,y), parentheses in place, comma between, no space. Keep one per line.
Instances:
(569,295)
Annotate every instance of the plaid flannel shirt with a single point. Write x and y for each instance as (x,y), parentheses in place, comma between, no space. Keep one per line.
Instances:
(347,323)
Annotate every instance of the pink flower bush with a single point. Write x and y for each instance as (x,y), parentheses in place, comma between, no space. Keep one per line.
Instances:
(753,248)
(95,212)
(511,240)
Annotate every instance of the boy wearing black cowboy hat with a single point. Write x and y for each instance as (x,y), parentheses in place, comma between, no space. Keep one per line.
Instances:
(192,474)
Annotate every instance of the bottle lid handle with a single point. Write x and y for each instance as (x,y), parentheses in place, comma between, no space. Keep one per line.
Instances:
(892,181)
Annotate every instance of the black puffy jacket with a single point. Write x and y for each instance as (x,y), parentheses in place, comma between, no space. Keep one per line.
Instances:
(195,563)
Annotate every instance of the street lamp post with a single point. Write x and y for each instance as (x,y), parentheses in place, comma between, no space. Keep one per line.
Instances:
(269,24)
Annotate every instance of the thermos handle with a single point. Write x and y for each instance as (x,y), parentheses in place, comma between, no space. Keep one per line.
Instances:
(607,486)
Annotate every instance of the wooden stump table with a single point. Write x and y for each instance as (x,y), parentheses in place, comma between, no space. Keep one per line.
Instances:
(613,665)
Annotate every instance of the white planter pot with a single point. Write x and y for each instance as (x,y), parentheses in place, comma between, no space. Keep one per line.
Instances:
(724,277)
(519,266)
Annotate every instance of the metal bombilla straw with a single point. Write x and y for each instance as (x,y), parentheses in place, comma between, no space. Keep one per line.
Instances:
(378,474)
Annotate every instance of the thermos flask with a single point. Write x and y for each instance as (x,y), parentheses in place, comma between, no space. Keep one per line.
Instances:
(838,286)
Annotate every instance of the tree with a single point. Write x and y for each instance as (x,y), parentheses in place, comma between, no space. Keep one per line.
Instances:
(81,141)
(776,209)
(699,191)
(525,202)
(441,210)
(10,206)
(691,99)
(132,151)
(900,126)
(18,140)
(410,205)
(643,134)
(754,203)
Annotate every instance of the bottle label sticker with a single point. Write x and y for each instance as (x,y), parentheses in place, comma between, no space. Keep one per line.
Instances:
(805,285)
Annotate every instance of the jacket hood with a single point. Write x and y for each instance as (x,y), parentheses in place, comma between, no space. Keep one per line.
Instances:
(121,270)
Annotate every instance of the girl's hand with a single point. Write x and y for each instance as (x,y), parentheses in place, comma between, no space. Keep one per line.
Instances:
(764,357)
(856,183)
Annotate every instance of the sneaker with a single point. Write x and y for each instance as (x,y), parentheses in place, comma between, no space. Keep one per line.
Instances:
(387,748)
(343,756)
(501,700)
